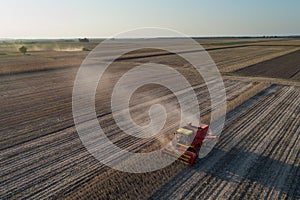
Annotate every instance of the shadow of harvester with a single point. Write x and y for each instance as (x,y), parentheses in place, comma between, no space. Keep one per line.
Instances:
(235,167)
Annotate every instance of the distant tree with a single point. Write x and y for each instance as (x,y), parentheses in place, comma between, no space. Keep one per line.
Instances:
(83,40)
(85,49)
(23,50)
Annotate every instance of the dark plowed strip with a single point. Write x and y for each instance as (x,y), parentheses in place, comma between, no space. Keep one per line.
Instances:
(286,66)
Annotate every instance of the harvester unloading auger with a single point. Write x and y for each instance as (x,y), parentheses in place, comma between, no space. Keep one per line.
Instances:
(189,140)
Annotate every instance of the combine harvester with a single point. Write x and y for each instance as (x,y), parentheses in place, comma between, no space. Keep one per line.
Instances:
(189,140)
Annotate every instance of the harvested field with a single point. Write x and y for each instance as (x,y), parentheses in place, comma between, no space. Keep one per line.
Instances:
(228,58)
(285,67)
(227,55)
(238,58)
(259,160)
(41,136)
(256,157)
(40,61)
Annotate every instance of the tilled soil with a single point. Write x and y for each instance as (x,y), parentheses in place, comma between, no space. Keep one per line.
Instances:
(286,66)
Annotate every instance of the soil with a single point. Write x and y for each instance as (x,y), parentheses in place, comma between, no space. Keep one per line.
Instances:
(286,67)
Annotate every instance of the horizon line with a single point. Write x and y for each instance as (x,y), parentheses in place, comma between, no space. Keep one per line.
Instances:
(158,37)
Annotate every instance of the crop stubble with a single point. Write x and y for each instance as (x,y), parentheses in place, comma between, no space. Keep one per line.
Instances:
(42,156)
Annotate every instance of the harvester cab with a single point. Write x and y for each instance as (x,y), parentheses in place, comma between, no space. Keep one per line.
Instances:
(187,143)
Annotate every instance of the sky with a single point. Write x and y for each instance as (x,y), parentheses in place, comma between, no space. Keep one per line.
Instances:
(22,19)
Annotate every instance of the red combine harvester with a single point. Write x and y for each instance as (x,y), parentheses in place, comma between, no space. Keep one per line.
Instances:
(188,142)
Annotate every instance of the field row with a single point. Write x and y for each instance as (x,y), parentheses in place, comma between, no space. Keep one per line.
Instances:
(41,152)
(228,58)
(256,157)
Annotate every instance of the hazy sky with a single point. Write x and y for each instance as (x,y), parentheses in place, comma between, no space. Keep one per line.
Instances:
(104,18)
